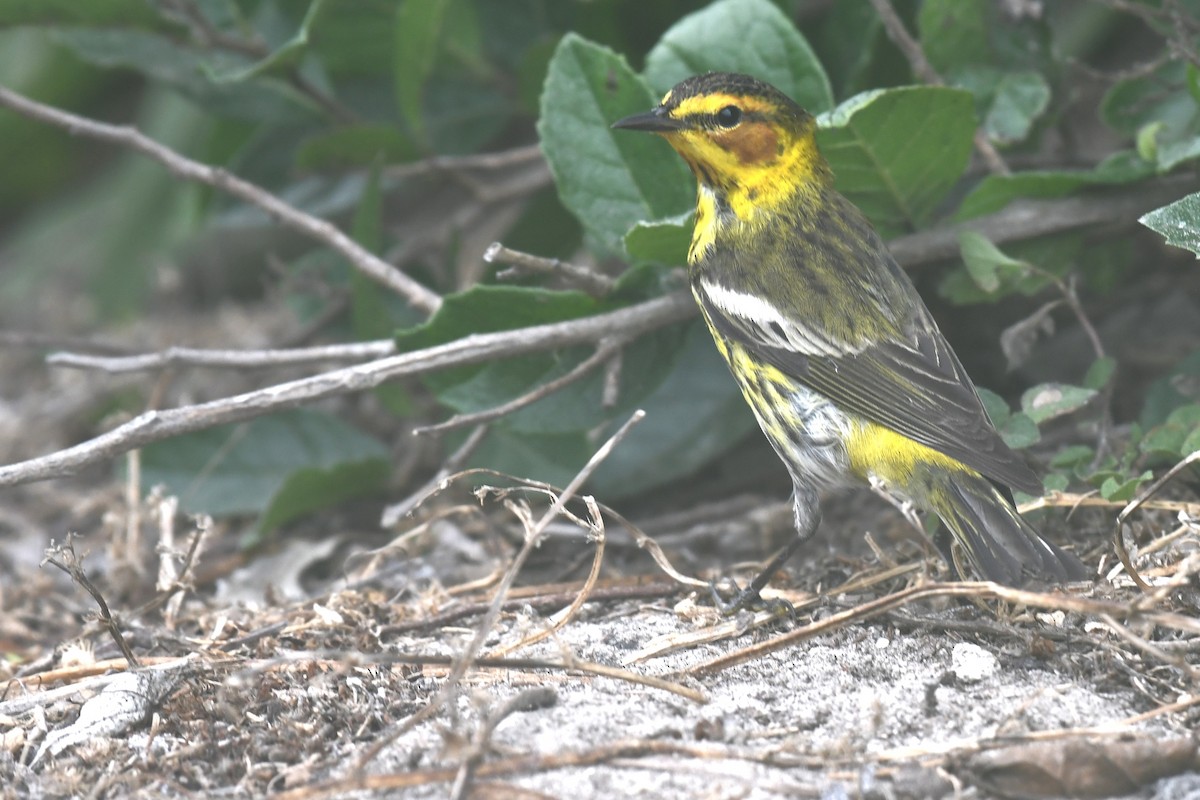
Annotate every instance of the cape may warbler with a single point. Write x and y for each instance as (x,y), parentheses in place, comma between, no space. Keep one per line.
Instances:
(842,364)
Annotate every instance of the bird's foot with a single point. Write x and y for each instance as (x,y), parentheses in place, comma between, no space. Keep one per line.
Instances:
(748,599)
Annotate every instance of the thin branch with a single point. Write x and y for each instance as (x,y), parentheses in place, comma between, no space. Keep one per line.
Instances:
(921,67)
(1026,219)
(393,513)
(226,359)
(591,282)
(475,161)
(533,538)
(156,425)
(41,341)
(178,165)
(1134,505)
(65,558)
(604,351)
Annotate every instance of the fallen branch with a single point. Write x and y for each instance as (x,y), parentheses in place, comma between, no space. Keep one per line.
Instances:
(157,425)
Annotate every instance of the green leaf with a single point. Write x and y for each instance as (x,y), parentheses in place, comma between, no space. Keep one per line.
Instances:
(1019,431)
(1168,438)
(1119,490)
(847,44)
(662,242)
(1072,456)
(310,489)
(766,45)
(1018,99)
(1056,482)
(897,152)
(553,458)
(1191,444)
(996,191)
(1050,400)
(418,30)
(997,410)
(369,315)
(355,146)
(1158,97)
(695,415)
(110,13)
(1100,373)
(1178,223)
(1181,386)
(608,179)
(189,71)
(485,309)
(283,56)
(953,32)
(279,466)
(984,261)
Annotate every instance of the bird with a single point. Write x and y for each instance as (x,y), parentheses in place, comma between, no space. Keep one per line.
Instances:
(832,347)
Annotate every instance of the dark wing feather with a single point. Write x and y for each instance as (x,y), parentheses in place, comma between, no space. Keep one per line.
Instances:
(917,388)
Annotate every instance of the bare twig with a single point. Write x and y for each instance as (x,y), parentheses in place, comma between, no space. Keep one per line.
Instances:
(40,341)
(394,512)
(527,700)
(181,167)
(591,282)
(921,67)
(561,618)
(1134,505)
(474,161)
(1026,219)
(64,557)
(225,359)
(153,426)
(533,538)
(975,591)
(604,351)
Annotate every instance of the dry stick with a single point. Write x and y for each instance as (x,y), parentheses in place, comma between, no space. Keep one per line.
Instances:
(226,359)
(925,71)
(178,165)
(475,161)
(560,618)
(593,283)
(1026,219)
(607,348)
(155,425)
(532,540)
(1134,505)
(506,766)
(64,557)
(984,590)
(394,512)
(1065,499)
(527,700)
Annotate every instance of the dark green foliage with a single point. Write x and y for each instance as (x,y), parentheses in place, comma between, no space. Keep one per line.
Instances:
(319,102)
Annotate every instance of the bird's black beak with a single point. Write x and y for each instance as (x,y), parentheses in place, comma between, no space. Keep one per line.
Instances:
(656,121)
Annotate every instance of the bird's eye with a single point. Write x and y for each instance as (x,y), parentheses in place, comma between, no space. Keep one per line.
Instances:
(729,116)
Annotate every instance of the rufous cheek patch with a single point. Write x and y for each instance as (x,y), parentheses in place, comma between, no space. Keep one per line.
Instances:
(751,143)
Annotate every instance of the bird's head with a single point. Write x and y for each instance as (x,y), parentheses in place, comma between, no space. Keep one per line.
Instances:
(746,141)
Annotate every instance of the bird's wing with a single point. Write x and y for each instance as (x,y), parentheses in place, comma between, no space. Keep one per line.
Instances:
(916,387)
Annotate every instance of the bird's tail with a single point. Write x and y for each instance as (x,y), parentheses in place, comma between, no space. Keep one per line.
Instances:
(1000,544)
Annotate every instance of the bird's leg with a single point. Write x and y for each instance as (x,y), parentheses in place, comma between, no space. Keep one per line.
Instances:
(807,508)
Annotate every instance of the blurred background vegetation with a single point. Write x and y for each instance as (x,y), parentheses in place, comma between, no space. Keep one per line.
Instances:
(431,128)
